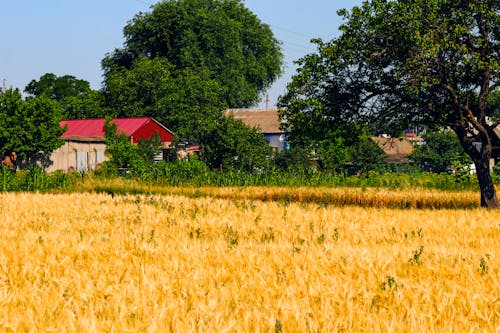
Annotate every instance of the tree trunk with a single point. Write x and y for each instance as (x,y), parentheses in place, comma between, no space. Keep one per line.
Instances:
(488,193)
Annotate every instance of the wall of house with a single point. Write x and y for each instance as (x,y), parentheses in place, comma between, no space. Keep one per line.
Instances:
(77,156)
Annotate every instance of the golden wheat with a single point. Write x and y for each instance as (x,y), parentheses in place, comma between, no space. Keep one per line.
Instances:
(337,196)
(97,263)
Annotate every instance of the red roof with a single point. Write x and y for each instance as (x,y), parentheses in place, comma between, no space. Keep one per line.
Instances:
(93,129)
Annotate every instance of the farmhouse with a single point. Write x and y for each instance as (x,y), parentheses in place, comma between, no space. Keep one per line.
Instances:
(397,149)
(84,143)
(267,121)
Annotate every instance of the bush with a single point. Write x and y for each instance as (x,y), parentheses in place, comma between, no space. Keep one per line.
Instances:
(442,152)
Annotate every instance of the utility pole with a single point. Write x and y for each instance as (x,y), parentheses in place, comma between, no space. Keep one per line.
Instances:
(267,102)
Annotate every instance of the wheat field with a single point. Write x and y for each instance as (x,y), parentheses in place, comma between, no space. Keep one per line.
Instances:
(153,263)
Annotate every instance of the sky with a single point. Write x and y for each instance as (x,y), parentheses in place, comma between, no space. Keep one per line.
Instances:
(71,37)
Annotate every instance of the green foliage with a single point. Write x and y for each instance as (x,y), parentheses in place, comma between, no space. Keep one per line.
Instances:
(415,259)
(33,179)
(494,105)
(186,61)
(219,37)
(390,284)
(183,172)
(483,266)
(441,152)
(496,172)
(233,145)
(366,155)
(74,96)
(8,179)
(295,159)
(57,88)
(333,153)
(401,63)
(137,160)
(30,128)
(188,101)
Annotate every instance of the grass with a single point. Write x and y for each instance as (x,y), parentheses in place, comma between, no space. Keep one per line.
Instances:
(245,260)
(337,196)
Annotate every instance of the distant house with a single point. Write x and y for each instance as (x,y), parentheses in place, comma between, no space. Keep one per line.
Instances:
(397,150)
(84,143)
(266,121)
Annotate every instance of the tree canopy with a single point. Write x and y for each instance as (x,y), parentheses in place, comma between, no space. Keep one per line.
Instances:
(441,152)
(187,101)
(30,128)
(74,95)
(219,38)
(432,62)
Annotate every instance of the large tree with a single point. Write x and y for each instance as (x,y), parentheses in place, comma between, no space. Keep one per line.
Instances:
(185,100)
(30,128)
(221,38)
(76,98)
(396,63)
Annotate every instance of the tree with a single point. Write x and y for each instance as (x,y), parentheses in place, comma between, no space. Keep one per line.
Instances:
(30,128)
(432,62)
(189,102)
(75,97)
(233,145)
(137,159)
(219,39)
(441,152)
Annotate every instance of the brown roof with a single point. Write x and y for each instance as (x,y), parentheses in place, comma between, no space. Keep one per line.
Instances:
(266,120)
(397,149)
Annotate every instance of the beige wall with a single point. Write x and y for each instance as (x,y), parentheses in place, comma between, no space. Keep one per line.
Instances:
(77,156)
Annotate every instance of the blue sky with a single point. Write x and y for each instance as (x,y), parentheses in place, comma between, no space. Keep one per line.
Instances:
(73,36)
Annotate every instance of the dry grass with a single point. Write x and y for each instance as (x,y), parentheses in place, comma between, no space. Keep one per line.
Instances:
(338,196)
(96,263)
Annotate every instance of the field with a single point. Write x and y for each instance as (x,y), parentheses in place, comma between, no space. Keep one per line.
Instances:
(248,260)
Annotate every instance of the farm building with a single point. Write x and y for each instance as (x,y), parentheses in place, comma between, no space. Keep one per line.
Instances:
(396,149)
(266,121)
(84,143)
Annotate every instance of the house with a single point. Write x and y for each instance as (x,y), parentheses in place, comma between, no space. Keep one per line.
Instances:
(84,142)
(397,150)
(266,121)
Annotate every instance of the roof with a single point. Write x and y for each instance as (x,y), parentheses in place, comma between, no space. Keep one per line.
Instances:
(93,129)
(397,149)
(267,120)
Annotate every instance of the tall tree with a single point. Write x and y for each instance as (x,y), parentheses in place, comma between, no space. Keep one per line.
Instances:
(431,62)
(219,37)
(187,101)
(233,145)
(57,87)
(30,128)
(74,95)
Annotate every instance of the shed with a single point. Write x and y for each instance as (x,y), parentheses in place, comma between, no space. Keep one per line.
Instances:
(84,142)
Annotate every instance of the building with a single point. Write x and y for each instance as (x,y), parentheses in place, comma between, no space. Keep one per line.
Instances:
(266,121)
(84,142)
(397,150)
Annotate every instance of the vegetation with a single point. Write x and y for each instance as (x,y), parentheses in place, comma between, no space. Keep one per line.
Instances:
(126,156)
(150,262)
(30,128)
(74,96)
(441,152)
(219,40)
(413,62)
(322,237)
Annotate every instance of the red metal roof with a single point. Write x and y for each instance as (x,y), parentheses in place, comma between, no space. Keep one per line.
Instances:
(93,129)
